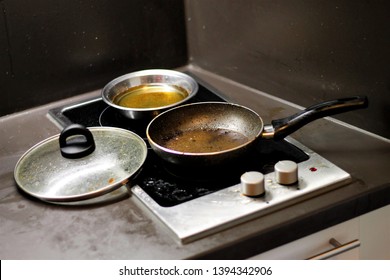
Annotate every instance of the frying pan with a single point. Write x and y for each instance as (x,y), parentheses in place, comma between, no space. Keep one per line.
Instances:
(211,117)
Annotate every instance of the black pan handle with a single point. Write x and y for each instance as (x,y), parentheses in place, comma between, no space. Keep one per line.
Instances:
(76,147)
(285,126)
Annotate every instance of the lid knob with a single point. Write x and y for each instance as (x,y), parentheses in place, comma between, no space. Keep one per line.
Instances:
(78,147)
(286,172)
(252,183)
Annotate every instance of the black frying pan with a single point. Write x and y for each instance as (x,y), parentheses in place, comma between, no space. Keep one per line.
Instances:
(210,133)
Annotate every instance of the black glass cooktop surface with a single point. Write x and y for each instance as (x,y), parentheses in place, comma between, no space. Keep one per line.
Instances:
(171,185)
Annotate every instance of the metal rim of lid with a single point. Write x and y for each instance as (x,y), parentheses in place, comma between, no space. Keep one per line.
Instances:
(109,187)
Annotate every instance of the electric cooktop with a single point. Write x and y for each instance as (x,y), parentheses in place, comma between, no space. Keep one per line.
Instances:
(197,202)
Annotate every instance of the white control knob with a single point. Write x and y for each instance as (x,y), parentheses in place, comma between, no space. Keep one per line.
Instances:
(252,183)
(286,172)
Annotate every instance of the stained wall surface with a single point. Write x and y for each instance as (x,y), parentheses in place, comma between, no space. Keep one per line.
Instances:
(50,50)
(302,51)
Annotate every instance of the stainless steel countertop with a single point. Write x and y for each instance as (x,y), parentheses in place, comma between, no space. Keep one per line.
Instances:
(31,229)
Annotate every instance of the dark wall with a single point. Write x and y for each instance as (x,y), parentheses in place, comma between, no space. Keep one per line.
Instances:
(50,50)
(304,51)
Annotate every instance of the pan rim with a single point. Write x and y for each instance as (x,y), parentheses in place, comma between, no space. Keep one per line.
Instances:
(147,72)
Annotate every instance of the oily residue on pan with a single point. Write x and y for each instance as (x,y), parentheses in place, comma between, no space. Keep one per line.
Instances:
(150,96)
(205,140)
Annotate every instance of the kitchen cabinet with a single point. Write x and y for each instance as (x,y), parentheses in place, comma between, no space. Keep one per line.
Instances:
(375,234)
(364,237)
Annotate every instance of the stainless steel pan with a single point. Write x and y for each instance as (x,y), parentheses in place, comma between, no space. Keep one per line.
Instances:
(217,119)
(148,78)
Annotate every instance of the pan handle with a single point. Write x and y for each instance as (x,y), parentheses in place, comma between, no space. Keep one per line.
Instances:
(283,127)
